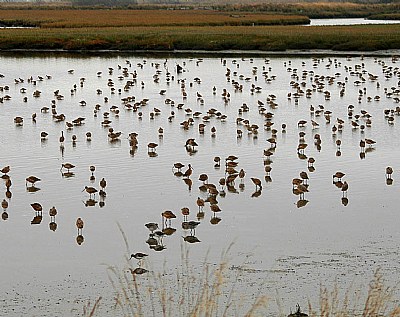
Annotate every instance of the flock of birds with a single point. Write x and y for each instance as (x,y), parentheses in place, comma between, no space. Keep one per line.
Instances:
(304,85)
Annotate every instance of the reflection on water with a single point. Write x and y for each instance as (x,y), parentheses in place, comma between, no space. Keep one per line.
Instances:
(297,156)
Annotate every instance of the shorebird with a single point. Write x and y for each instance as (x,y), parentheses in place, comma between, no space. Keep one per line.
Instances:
(178,166)
(32,180)
(389,172)
(152,226)
(5,169)
(338,175)
(62,138)
(53,213)
(68,166)
(168,215)
(138,256)
(188,172)
(103,183)
(4,204)
(90,190)
(37,207)
(256,182)
(185,212)
(203,178)
(151,147)
(200,203)
(79,225)
(344,188)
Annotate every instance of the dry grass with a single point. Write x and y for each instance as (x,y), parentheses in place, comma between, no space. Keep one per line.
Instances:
(213,291)
(378,302)
(182,292)
(129,18)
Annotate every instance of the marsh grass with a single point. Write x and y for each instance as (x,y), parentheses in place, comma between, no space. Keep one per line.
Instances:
(217,290)
(379,301)
(182,292)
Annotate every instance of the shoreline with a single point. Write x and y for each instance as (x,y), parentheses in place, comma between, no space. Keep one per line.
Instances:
(247,53)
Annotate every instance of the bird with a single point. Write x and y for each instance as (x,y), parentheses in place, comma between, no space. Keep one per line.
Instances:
(389,172)
(188,172)
(62,138)
(68,166)
(338,175)
(178,166)
(79,225)
(92,168)
(256,182)
(151,147)
(344,188)
(4,204)
(90,190)
(200,203)
(37,207)
(138,256)
(5,169)
(152,226)
(53,212)
(32,179)
(168,215)
(185,212)
(103,183)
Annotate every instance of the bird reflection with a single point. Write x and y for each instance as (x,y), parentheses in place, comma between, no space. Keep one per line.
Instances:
(169,231)
(37,219)
(138,271)
(188,182)
(4,215)
(191,239)
(256,194)
(68,174)
(345,201)
(301,203)
(215,220)
(32,189)
(80,239)
(152,154)
(389,181)
(53,226)
(151,241)
(90,202)
(190,225)
(200,215)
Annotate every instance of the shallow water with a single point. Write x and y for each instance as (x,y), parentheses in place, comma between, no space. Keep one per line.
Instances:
(349,21)
(294,250)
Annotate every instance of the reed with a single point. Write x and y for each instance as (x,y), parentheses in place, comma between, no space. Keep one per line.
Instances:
(207,38)
(68,18)
(216,290)
(182,292)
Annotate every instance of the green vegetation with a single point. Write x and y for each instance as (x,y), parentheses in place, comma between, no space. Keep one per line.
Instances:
(211,38)
(208,30)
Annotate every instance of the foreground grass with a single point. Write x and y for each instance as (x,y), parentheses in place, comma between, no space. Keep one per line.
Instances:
(184,293)
(211,38)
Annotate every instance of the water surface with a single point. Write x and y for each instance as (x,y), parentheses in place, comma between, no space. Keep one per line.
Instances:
(294,248)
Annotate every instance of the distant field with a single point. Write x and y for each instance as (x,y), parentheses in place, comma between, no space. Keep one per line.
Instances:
(145,29)
(275,38)
(129,18)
